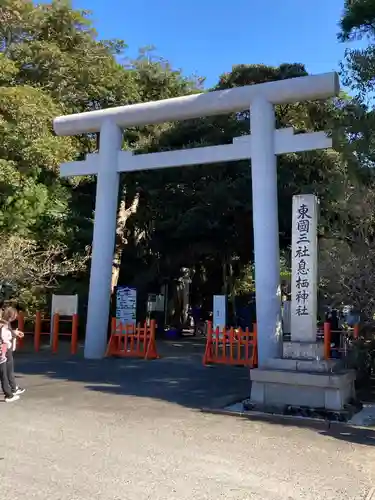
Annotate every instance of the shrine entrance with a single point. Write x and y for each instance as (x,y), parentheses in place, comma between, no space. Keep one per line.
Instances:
(262,147)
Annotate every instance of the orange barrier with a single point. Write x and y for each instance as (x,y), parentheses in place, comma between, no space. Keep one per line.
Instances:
(73,334)
(128,341)
(231,347)
(39,331)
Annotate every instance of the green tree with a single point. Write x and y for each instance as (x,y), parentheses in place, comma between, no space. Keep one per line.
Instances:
(203,214)
(49,65)
(155,80)
(347,260)
(52,63)
(358,22)
(200,218)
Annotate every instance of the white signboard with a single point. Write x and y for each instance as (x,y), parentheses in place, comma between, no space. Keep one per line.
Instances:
(126,305)
(220,312)
(65,305)
(304,268)
(155,302)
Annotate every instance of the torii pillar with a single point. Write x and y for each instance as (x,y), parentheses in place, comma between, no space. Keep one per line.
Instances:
(262,147)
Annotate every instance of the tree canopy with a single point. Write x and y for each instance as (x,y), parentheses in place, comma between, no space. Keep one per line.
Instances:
(192,219)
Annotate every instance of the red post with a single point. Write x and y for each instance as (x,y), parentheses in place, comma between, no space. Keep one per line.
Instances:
(327,340)
(55,334)
(74,340)
(208,351)
(356,331)
(255,346)
(37,331)
(151,352)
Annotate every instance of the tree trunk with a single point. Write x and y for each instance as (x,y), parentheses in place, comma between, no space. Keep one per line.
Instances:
(116,266)
(224,289)
(232,295)
(123,216)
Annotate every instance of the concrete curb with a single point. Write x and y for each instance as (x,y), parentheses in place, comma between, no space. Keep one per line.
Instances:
(311,423)
(224,401)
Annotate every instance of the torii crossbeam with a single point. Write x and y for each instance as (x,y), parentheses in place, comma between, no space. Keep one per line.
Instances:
(262,146)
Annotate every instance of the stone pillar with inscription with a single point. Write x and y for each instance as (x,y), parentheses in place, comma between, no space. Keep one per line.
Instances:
(305,215)
(304,268)
(302,377)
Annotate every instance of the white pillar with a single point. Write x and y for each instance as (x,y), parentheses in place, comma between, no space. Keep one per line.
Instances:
(103,241)
(266,229)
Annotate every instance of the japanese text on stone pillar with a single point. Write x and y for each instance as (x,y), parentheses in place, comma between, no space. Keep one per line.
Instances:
(304,268)
(302,254)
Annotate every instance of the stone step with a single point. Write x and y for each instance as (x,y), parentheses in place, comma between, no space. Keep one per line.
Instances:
(291,387)
(319,379)
(304,365)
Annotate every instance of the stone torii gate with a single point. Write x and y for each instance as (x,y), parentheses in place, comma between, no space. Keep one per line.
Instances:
(262,146)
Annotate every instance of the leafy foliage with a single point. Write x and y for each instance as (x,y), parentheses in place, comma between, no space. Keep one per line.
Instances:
(29,270)
(199,218)
(357,22)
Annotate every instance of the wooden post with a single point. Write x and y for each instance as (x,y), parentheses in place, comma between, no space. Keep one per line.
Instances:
(151,352)
(356,331)
(55,336)
(74,340)
(38,330)
(255,345)
(208,351)
(327,340)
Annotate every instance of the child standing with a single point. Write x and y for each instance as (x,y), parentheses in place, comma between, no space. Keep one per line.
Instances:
(8,344)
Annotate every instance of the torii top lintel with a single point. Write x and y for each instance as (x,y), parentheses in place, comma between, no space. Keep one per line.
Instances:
(218,102)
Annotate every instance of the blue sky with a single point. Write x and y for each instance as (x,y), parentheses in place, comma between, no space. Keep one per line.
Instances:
(207,37)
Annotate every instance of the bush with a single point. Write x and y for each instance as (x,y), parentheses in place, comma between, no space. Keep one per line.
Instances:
(362,359)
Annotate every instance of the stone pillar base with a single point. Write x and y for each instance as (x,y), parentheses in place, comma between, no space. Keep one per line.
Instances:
(303,378)
(329,390)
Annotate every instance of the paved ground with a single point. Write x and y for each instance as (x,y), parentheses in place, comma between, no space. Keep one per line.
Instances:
(120,430)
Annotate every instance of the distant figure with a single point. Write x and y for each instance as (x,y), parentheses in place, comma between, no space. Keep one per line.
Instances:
(8,339)
(352,318)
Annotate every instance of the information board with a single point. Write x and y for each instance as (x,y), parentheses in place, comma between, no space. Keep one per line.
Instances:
(220,311)
(126,305)
(65,305)
(155,302)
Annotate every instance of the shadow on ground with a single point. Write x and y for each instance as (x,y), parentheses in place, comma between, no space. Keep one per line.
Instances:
(177,377)
(352,435)
(340,431)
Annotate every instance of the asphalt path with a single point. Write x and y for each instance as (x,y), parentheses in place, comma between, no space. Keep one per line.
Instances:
(125,429)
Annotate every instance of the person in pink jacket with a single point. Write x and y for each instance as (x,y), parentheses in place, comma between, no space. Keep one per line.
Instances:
(8,339)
